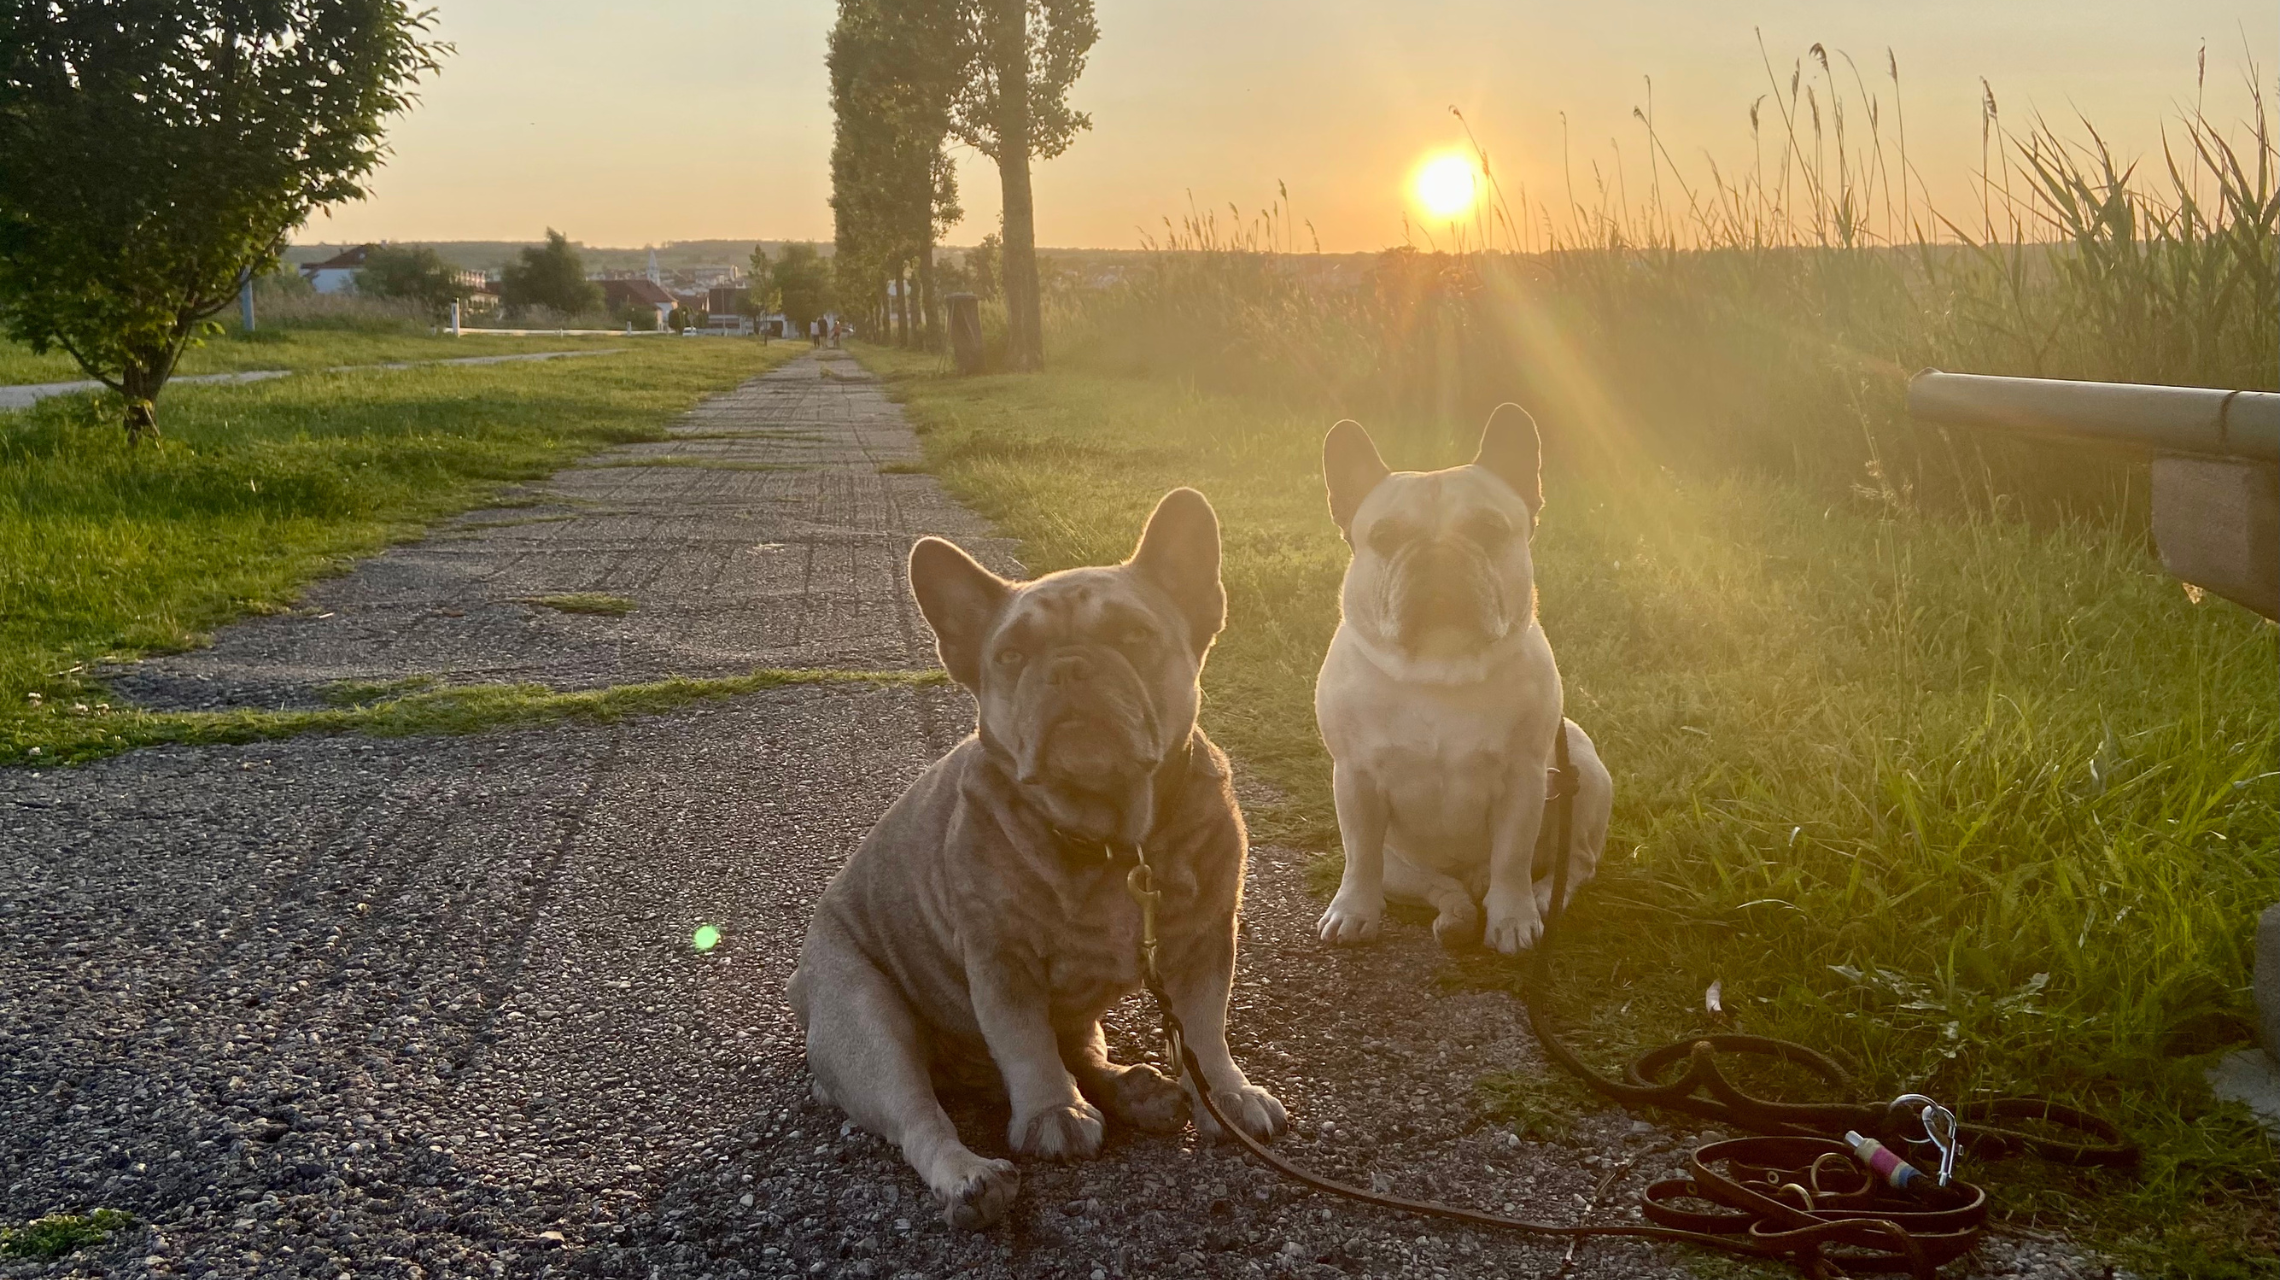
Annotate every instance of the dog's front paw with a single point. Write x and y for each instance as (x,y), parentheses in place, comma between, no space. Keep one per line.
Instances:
(1513,924)
(1058,1133)
(981,1195)
(1349,919)
(1251,1107)
(1147,1099)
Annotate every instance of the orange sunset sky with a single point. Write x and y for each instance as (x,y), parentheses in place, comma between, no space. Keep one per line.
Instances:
(634,123)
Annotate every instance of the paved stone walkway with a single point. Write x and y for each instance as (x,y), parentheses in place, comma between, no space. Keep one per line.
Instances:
(427,1007)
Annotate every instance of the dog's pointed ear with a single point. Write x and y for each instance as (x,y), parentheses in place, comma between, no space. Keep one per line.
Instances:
(1179,552)
(1510,451)
(961,601)
(1351,468)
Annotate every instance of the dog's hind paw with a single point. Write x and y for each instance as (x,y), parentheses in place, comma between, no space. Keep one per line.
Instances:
(1147,1099)
(1251,1107)
(981,1197)
(1058,1133)
(1457,928)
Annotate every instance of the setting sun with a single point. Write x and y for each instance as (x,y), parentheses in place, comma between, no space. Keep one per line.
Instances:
(1446,185)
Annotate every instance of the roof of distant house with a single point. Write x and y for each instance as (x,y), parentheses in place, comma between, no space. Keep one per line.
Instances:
(345,260)
(640,289)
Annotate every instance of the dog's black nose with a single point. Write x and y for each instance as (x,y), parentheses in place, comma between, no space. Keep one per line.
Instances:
(1069,668)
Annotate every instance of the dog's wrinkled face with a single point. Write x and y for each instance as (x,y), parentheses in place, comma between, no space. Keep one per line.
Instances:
(1441,569)
(1085,679)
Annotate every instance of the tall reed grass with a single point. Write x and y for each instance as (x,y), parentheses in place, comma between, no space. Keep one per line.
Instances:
(1765,315)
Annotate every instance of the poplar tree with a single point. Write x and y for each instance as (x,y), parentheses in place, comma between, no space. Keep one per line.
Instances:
(1023,57)
(896,68)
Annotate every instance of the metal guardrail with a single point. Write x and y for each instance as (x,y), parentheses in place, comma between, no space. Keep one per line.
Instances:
(2196,420)
(2216,462)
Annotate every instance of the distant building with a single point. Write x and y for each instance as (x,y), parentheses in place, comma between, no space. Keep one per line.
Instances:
(336,274)
(482,289)
(726,300)
(638,291)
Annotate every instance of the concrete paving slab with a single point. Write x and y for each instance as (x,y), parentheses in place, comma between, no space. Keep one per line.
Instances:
(2251,1078)
(764,532)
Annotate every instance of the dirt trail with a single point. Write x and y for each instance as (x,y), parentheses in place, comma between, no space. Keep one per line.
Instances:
(427,1007)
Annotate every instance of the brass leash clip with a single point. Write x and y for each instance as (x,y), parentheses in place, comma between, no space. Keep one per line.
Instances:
(1141,884)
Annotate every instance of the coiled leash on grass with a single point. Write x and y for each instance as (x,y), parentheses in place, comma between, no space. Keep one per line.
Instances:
(1791,1192)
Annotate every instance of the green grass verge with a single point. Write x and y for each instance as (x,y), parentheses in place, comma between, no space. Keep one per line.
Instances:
(1978,806)
(110,552)
(304,349)
(398,709)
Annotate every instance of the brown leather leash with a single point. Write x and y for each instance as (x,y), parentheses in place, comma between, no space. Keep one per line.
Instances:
(1791,1192)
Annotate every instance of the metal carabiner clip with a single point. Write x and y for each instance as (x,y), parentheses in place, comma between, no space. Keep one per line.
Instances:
(1939,1130)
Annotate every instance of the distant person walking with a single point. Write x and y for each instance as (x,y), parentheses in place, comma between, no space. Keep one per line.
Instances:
(835,333)
(815,333)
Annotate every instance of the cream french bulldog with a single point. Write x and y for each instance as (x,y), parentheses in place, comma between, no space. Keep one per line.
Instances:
(1438,699)
(983,927)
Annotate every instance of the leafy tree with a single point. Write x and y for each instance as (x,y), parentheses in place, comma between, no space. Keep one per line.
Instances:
(982,263)
(896,68)
(766,296)
(762,297)
(154,154)
(549,275)
(1014,107)
(416,272)
(803,284)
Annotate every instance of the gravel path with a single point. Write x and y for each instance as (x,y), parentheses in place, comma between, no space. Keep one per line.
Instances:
(427,1007)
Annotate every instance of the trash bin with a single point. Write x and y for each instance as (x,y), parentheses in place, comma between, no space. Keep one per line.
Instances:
(965,331)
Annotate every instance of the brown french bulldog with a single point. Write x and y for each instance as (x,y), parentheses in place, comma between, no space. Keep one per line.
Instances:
(984,923)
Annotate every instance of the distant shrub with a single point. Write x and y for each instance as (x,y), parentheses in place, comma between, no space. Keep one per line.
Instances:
(413,272)
(308,309)
(551,276)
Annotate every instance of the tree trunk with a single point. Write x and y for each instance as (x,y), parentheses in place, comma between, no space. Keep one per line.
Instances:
(1025,339)
(140,383)
(902,304)
(929,306)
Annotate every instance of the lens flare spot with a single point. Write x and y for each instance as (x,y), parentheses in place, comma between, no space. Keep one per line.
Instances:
(1446,185)
(705,938)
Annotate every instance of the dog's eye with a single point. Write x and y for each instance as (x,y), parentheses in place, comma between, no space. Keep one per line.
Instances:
(1387,536)
(1010,658)
(1134,636)
(1488,528)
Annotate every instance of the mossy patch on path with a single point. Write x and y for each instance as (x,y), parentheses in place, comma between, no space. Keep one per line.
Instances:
(79,733)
